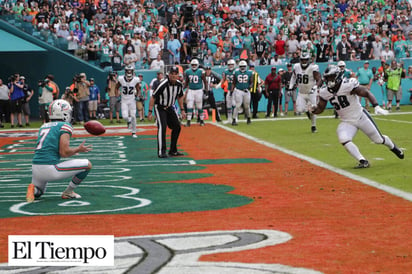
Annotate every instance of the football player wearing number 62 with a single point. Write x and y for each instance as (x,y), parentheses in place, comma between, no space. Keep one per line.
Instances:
(128,85)
(343,94)
(53,142)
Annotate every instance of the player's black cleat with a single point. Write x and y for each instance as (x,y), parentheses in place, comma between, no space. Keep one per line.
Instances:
(202,123)
(234,122)
(248,121)
(175,154)
(313,129)
(398,152)
(188,123)
(363,164)
(163,155)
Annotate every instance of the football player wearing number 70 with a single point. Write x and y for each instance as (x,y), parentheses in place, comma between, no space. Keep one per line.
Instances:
(343,94)
(53,142)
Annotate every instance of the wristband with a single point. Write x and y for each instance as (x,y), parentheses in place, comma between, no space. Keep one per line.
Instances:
(150,111)
(375,105)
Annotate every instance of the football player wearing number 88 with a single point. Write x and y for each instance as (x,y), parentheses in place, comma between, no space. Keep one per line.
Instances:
(130,89)
(343,94)
(53,142)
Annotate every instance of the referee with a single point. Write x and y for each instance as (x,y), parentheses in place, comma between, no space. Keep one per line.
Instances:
(162,103)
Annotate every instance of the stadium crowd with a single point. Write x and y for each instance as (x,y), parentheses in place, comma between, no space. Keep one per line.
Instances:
(118,33)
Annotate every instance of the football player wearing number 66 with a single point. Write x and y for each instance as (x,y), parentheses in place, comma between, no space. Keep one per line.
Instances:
(53,142)
(130,89)
(343,94)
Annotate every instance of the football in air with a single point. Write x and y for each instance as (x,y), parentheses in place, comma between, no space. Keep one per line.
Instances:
(94,127)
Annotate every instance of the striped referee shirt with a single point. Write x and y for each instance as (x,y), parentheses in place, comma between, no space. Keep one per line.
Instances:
(166,94)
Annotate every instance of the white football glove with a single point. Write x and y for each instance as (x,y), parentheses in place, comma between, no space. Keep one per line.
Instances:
(314,89)
(379,110)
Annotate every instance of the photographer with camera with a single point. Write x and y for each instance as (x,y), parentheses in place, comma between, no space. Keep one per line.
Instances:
(82,88)
(16,99)
(45,99)
(114,97)
(187,11)
(28,93)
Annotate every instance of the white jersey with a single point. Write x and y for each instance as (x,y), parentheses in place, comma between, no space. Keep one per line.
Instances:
(347,105)
(303,78)
(128,87)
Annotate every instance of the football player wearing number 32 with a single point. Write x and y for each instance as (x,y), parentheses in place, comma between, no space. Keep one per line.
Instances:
(53,142)
(343,94)
(130,89)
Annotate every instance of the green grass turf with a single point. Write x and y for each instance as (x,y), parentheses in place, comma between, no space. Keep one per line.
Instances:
(385,168)
(295,135)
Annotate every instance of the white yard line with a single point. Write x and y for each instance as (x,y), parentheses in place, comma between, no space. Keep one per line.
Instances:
(366,181)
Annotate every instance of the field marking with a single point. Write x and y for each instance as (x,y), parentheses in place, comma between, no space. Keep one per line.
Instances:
(142,202)
(366,181)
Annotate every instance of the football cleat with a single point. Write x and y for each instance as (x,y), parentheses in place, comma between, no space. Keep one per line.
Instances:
(234,122)
(202,123)
(363,164)
(398,152)
(248,121)
(163,155)
(176,153)
(188,123)
(30,193)
(70,195)
(313,129)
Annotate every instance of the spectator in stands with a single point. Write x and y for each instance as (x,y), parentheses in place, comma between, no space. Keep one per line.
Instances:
(130,58)
(343,49)
(153,49)
(174,46)
(157,64)
(387,54)
(72,42)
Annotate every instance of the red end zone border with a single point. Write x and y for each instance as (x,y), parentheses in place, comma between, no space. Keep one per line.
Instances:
(338,225)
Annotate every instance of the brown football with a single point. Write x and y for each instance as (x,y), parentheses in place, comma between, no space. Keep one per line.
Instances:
(94,127)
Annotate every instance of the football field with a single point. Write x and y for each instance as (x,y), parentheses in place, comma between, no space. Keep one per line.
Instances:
(270,197)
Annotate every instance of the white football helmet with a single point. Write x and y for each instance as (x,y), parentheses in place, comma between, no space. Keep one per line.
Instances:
(129,72)
(242,66)
(60,110)
(304,60)
(341,65)
(231,64)
(194,64)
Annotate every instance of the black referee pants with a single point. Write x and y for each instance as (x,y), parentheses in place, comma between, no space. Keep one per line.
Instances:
(166,117)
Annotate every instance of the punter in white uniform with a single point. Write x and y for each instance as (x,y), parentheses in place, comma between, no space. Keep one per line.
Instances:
(343,94)
(130,88)
(307,79)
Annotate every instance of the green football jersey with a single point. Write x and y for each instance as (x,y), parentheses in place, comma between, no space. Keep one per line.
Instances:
(48,142)
(229,74)
(194,78)
(243,79)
